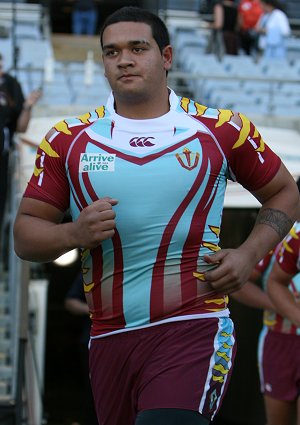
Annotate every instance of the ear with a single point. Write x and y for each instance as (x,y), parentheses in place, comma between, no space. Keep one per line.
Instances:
(167,55)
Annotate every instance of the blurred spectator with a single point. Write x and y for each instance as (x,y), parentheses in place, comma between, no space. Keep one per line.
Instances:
(76,304)
(273,28)
(249,13)
(224,28)
(84,17)
(15,113)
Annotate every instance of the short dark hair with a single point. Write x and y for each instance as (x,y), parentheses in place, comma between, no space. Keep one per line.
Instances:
(136,14)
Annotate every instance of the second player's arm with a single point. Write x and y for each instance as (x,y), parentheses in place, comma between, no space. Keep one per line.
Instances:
(283,299)
(252,295)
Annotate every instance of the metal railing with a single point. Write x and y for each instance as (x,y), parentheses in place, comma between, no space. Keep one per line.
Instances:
(16,397)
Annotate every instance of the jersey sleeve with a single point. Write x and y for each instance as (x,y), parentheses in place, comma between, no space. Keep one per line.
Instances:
(49,182)
(250,160)
(287,255)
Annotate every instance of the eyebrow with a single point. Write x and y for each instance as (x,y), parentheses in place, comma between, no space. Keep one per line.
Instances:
(130,43)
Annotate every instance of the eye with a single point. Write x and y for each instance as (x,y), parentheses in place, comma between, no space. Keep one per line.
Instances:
(138,49)
(110,53)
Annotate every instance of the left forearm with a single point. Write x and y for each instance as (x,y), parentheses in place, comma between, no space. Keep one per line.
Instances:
(270,228)
(278,220)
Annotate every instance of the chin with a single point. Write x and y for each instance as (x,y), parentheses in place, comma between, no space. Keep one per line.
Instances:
(131,95)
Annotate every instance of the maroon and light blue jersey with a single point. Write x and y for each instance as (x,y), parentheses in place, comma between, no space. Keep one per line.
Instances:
(286,254)
(169,176)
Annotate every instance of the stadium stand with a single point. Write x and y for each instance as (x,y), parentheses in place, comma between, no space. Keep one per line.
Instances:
(239,82)
(292,9)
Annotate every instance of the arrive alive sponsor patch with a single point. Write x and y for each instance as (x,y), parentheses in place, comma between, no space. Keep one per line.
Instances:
(95,162)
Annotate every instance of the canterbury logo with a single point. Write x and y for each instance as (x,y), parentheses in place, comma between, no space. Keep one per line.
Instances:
(141,142)
(188,159)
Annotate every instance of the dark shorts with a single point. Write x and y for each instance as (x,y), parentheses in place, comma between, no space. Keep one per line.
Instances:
(184,365)
(279,365)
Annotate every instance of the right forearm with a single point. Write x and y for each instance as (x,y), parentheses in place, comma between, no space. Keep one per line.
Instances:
(41,241)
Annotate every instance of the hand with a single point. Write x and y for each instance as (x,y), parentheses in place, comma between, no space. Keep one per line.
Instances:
(32,99)
(234,268)
(95,223)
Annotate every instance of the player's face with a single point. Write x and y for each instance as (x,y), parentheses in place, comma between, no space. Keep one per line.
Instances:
(133,63)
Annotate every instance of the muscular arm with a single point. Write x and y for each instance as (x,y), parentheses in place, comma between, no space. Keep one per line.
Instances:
(280,208)
(282,297)
(38,234)
(41,236)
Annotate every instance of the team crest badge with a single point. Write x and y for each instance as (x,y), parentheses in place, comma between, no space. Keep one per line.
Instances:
(187,159)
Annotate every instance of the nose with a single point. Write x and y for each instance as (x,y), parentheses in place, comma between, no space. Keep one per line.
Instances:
(125,59)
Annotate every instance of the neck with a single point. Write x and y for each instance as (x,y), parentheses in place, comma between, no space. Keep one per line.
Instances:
(143,108)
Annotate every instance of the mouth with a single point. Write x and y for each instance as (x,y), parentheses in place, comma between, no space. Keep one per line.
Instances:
(127,77)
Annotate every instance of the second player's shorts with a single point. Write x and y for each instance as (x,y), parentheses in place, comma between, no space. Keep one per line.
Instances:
(279,364)
(184,365)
